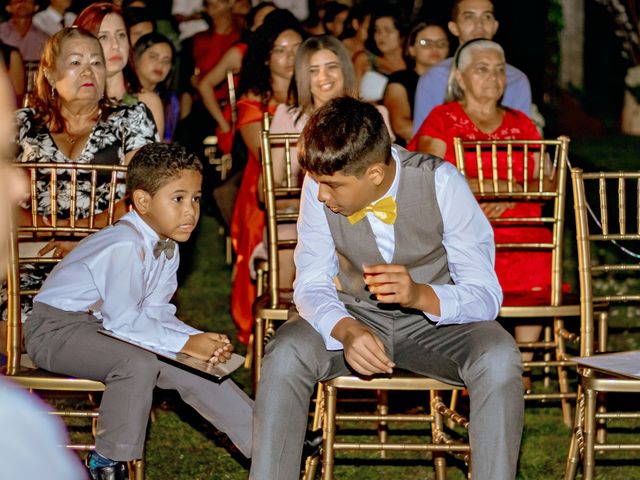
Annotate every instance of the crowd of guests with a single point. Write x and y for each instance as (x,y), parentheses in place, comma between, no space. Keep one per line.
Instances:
(159,77)
(99,85)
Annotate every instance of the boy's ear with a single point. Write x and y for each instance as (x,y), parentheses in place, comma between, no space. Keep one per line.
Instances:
(141,200)
(376,173)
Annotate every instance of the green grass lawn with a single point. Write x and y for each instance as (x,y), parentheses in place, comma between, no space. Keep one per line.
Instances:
(183,446)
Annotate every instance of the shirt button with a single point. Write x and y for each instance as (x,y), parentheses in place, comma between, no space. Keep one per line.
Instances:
(357,300)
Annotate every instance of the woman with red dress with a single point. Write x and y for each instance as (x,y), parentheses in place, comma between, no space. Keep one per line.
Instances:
(267,69)
(475,114)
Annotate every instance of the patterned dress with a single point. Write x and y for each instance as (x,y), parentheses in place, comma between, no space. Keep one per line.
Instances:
(126,129)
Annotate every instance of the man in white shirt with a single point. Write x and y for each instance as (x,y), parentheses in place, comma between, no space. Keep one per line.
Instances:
(54,17)
(414,257)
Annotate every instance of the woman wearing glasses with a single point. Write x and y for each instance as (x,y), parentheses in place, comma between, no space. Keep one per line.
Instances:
(427,45)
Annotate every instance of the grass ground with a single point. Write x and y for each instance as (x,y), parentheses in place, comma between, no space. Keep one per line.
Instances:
(183,446)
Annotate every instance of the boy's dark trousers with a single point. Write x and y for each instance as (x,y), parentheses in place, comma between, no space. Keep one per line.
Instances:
(69,343)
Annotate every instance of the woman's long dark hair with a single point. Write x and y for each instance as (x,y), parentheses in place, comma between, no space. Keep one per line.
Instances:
(255,75)
(398,21)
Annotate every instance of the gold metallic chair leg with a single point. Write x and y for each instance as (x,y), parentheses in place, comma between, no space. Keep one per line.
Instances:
(383,427)
(329,432)
(258,351)
(439,462)
(573,458)
(588,456)
(563,374)
(137,468)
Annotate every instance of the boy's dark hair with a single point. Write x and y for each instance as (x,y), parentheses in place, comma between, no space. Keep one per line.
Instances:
(156,164)
(345,135)
(455,8)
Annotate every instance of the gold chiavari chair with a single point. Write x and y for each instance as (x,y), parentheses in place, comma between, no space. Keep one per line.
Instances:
(223,163)
(443,439)
(490,167)
(91,188)
(281,206)
(608,240)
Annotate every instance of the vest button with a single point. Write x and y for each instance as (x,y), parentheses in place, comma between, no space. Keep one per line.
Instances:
(357,300)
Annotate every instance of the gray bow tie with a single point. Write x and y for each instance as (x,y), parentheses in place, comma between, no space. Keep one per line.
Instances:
(167,246)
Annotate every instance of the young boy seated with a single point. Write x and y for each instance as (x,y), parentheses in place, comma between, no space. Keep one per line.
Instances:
(122,279)
(414,256)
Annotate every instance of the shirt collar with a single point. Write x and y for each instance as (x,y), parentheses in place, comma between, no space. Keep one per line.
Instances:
(148,234)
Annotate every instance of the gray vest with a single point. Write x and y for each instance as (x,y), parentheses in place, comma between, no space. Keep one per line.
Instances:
(418,235)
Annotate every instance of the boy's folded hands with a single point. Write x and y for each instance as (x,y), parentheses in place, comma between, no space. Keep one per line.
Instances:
(209,346)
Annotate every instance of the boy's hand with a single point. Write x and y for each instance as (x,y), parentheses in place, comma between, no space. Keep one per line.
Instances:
(208,346)
(363,349)
(392,284)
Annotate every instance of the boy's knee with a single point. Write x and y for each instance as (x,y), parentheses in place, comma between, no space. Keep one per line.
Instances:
(140,366)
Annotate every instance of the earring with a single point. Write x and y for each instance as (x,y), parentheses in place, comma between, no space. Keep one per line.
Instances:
(53,91)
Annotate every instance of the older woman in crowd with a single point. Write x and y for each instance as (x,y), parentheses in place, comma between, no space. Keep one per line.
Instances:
(73,121)
(105,21)
(426,46)
(475,113)
(267,69)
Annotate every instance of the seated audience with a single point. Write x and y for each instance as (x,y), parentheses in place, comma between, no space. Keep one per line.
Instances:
(20,32)
(323,71)
(383,54)
(139,22)
(75,123)
(154,56)
(267,69)
(417,291)
(104,20)
(54,17)
(213,87)
(15,71)
(469,19)
(335,14)
(356,28)
(122,279)
(426,46)
(478,84)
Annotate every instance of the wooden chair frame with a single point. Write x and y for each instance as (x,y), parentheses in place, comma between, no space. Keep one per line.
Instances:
(273,305)
(490,188)
(18,368)
(588,437)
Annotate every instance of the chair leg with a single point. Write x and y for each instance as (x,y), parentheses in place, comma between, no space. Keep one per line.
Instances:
(258,351)
(383,427)
(138,469)
(588,456)
(573,458)
(310,467)
(439,461)
(563,376)
(329,432)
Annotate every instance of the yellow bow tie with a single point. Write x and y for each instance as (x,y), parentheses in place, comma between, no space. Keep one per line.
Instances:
(384,209)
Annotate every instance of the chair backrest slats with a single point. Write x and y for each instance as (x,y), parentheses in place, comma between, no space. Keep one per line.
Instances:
(608,258)
(522,172)
(82,199)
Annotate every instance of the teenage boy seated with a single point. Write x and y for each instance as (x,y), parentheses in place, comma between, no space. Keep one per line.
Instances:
(413,254)
(122,279)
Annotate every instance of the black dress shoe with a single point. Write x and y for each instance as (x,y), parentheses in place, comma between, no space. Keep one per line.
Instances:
(312,444)
(119,471)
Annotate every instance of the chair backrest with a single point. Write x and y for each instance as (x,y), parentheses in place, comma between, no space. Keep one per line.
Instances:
(68,201)
(530,174)
(607,212)
(275,194)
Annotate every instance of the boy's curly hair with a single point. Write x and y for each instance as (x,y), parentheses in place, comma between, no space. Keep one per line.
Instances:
(156,164)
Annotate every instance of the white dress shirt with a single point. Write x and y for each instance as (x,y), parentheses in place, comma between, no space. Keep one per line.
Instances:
(475,294)
(114,274)
(50,21)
